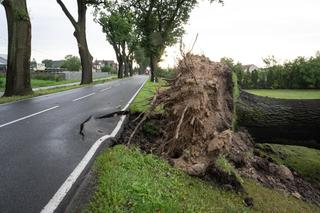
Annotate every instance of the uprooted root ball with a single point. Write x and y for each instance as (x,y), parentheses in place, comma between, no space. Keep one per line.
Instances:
(196,130)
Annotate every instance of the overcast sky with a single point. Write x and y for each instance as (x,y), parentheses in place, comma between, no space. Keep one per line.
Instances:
(246,30)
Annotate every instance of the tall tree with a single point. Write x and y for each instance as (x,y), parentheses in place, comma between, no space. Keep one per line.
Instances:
(80,35)
(19,48)
(116,21)
(161,23)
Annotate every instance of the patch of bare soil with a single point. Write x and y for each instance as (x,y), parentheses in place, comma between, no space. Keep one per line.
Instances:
(195,129)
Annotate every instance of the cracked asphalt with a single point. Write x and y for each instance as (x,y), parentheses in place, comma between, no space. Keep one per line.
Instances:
(41,144)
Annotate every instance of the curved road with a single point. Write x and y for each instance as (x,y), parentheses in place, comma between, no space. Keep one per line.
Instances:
(41,144)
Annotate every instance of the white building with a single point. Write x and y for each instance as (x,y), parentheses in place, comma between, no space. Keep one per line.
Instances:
(250,68)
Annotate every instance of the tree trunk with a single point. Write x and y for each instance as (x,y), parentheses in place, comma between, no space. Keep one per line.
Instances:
(80,34)
(85,56)
(125,59)
(131,67)
(120,68)
(19,48)
(292,122)
(153,68)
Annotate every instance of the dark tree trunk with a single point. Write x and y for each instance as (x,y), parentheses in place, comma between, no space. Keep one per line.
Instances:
(125,59)
(19,48)
(120,68)
(80,35)
(153,68)
(131,67)
(292,122)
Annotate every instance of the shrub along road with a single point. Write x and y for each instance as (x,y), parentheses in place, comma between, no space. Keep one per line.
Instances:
(41,144)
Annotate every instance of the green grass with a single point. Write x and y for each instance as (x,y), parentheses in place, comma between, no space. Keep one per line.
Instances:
(142,101)
(45,83)
(129,181)
(304,160)
(287,93)
(49,91)
(271,200)
(40,83)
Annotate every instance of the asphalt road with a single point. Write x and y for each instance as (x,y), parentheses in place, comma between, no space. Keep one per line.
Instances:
(40,141)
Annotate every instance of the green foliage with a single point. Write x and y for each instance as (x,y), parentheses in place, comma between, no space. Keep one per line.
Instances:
(166,73)
(286,93)
(48,63)
(71,63)
(2,79)
(107,68)
(117,23)
(300,73)
(160,23)
(33,64)
(141,58)
(21,14)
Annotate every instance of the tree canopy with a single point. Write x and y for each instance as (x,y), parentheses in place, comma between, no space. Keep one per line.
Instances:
(71,63)
(117,23)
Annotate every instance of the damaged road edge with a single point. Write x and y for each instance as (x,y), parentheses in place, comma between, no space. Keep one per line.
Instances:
(64,194)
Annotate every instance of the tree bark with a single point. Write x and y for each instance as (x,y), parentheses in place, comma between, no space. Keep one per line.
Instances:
(153,68)
(292,122)
(19,48)
(120,68)
(80,35)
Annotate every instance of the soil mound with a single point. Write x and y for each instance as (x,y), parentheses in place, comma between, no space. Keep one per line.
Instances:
(195,129)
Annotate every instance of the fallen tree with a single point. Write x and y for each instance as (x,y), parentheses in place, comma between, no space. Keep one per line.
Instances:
(291,122)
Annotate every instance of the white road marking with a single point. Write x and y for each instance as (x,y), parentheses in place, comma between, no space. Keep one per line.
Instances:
(83,97)
(29,116)
(105,89)
(55,201)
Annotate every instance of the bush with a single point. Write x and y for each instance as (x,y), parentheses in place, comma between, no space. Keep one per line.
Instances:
(108,69)
(166,73)
(71,63)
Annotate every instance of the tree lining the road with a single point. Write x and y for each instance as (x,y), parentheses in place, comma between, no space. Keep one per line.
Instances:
(81,37)
(117,23)
(19,48)
(153,24)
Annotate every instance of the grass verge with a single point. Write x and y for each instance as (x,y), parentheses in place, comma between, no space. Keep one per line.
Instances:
(48,91)
(142,101)
(305,161)
(129,181)
(287,93)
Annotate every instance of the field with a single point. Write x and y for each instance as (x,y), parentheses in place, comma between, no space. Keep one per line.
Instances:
(287,93)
